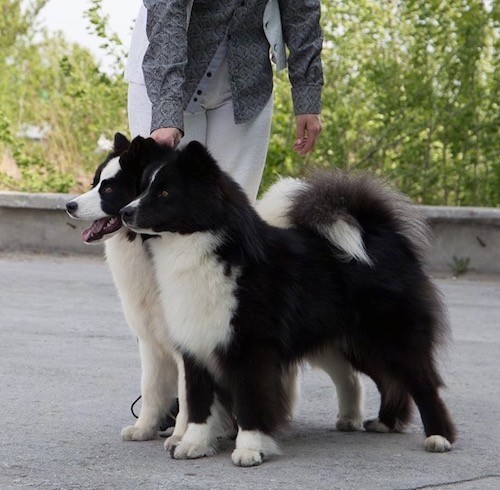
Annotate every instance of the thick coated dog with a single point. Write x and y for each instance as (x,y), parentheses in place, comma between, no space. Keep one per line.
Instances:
(116,183)
(245,300)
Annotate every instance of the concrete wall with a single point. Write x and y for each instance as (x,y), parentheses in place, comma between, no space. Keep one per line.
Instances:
(38,223)
(465,233)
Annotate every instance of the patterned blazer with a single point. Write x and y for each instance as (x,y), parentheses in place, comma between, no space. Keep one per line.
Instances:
(177,59)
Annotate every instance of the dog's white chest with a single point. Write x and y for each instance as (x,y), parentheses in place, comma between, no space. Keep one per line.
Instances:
(134,277)
(198,297)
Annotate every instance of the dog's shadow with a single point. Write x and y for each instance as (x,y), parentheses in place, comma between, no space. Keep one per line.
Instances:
(309,439)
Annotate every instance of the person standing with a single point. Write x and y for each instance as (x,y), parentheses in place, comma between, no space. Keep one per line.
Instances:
(201,70)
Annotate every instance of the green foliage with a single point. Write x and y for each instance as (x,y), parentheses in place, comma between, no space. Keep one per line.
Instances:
(35,171)
(460,265)
(17,22)
(47,81)
(411,92)
(110,42)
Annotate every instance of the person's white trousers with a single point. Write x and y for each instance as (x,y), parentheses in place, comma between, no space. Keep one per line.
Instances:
(240,149)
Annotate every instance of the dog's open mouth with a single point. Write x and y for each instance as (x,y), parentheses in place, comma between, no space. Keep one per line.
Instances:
(101,227)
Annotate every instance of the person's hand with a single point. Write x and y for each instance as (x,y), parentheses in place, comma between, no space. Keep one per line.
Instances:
(167,136)
(308,129)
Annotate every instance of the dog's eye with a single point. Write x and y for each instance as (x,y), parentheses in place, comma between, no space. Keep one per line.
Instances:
(163,194)
(108,189)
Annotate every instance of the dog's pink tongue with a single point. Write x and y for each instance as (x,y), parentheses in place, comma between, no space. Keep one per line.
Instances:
(94,231)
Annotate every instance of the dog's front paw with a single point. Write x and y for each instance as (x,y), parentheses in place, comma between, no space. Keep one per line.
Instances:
(247,457)
(137,433)
(437,444)
(190,450)
(171,442)
(374,425)
(349,424)
(252,447)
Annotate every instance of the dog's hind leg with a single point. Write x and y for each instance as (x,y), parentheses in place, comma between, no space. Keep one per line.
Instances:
(395,407)
(158,390)
(438,426)
(348,384)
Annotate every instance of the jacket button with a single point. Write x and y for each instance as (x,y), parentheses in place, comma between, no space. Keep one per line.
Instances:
(198,92)
(209,74)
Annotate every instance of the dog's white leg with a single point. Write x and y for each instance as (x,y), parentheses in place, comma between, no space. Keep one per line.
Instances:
(158,390)
(133,274)
(252,447)
(181,421)
(291,388)
(349,388)
(201,439)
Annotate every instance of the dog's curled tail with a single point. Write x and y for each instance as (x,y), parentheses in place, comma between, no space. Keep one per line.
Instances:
(345,208)
(275,205)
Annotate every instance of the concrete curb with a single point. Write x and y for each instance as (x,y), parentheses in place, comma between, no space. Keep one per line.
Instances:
(37,223)
(464,234)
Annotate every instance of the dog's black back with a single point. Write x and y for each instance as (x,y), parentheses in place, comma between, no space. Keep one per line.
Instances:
(299,291)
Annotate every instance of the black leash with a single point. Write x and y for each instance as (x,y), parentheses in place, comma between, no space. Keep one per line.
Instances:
(133,405)
(168,419)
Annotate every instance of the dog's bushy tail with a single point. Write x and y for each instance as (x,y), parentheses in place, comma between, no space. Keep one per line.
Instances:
(345,208)
(274,206)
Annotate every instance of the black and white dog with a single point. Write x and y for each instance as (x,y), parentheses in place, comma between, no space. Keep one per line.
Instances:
(116,183)
(245,300)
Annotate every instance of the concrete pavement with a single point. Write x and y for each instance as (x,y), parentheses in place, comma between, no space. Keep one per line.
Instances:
(69,369)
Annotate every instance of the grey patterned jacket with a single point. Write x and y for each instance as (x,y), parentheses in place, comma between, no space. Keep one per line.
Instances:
(176,61)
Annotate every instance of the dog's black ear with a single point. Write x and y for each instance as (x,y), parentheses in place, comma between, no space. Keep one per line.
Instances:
(143,153)
(197,160)
(142,148)
(136,147)
(140,151)
(133,158)
(120,143)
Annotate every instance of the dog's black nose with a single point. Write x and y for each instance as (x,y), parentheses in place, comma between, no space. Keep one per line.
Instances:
(71,206)
(127,212)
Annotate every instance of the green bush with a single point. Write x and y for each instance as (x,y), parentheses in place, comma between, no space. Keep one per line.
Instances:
(411,93)
(48,81)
